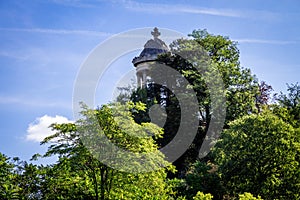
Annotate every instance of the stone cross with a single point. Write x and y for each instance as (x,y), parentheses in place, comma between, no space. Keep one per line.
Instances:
(155,33)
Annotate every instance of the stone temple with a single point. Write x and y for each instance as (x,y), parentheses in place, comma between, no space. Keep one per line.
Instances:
(148,56)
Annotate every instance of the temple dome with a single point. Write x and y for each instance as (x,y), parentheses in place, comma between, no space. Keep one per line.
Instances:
(152,49)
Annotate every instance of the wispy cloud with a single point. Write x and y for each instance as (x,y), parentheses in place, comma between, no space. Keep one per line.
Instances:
(58,31)
(171,8)
(74,3)
(12,55)
(262,41)
(25,101)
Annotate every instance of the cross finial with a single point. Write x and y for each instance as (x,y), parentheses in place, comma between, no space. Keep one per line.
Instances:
(155,33)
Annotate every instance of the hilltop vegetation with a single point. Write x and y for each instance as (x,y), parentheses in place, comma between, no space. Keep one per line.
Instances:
(256,156)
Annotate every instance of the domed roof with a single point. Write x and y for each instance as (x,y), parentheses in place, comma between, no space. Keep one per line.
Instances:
(152,49)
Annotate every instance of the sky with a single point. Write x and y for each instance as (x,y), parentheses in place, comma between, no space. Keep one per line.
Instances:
(43,44)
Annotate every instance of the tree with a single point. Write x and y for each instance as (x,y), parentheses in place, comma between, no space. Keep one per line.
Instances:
(288,107)
(260,154)
(264,96)
(201,196)
(248,196)
(28,179)
(203,177)
(222,56)
(8,179)
(239,83)
(80,173)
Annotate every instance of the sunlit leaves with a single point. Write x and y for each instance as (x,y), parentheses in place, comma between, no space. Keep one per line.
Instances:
(260,154)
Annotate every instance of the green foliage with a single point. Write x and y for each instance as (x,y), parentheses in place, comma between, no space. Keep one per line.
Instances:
(248,196)
(8,179)
(203,177)
(218,55)
(60,181)
(201,196)
(29,180)
(260,154)
(288,107)
(177,188)
(240,85)
(79,173)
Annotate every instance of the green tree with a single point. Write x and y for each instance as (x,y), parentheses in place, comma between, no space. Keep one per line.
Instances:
(8,179)
(239,84)
(201,196)
(248,196)
(79,172)
(28,179)
(222,56)
(63,181)
(260,154)
(288,107)
(203,177)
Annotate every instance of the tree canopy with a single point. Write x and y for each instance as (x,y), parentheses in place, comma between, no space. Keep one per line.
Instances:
(113,151)
(260,154)
(200,60)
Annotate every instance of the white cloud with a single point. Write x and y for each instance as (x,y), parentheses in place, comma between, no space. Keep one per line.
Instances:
(58,31)
(262,41)
(12,55)
(152,8)
(39,129)
(171,8)
(74,3)
(27,101)
(190,9)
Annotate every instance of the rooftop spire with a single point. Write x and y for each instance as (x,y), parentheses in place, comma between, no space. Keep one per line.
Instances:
(155,33)
(152,49)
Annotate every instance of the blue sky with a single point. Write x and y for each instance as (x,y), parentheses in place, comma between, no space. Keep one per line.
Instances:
(44,42)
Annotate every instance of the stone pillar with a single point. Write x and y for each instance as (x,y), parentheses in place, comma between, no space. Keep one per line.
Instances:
(141,74)
(144,78)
